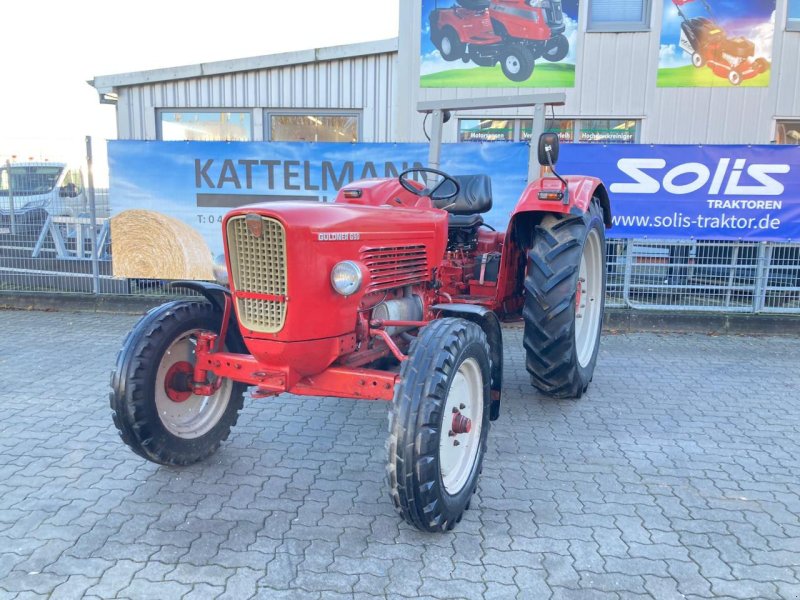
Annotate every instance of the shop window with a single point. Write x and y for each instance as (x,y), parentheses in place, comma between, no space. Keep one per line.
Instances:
(313,128)
(788,132)
(205,126)
(608,131)
(565,128)
(486,130)
(793,22)
(619,15)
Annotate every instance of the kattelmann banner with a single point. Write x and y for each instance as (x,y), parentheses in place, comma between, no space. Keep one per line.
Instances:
(172,196)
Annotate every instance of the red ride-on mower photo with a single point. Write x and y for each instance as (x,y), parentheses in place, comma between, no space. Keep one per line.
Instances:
(512,32)
(393,292)
(708,45)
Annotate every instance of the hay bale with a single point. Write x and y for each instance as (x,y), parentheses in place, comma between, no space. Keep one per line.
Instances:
(150,245)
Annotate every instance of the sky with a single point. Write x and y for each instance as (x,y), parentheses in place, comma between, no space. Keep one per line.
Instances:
(50,48)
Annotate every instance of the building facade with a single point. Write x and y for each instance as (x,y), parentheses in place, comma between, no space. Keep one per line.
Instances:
(369,92)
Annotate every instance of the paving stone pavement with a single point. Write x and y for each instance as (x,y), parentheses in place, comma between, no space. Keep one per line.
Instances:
(676,476)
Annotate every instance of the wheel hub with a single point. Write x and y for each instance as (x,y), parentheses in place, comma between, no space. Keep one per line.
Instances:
(512,64)
(177,382)
(461,424)
(183,412)
(459,448)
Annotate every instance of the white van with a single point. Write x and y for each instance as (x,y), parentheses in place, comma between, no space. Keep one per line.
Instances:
(34,190)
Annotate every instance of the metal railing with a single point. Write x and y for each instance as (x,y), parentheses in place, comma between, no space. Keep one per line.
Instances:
(55,237)
(704,276)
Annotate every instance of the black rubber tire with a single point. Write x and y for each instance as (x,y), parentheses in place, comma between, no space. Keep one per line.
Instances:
(557,48)
(549,313)
(416,423)
(525,58)
(458,48)
(132,396)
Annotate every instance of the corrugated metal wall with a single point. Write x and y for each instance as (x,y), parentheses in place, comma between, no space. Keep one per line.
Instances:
(364,84)
(616,78)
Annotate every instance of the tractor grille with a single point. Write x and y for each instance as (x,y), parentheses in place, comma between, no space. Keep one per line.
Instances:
(395,266)
(258,266)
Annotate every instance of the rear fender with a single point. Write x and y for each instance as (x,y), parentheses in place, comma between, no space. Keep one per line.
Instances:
(582,190)
(216,296)
(488,321)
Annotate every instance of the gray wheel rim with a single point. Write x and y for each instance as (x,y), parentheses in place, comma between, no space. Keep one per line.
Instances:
(589,297)
(513,65)
(197,415)
(458,453)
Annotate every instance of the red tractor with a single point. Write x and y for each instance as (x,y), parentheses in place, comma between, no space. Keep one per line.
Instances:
(708,45)
(393,292)
(512,32)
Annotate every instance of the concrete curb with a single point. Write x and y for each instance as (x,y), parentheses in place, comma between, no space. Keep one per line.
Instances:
(616,321)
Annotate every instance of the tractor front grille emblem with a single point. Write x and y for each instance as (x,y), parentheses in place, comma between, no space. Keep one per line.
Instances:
(255,225)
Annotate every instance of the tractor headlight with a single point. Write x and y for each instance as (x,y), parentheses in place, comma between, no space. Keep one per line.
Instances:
(346,278)
(221,270)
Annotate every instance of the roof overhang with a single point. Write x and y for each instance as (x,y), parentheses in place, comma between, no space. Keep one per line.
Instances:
(107,85)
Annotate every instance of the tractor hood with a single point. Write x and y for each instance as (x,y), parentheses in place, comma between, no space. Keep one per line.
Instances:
(280,257)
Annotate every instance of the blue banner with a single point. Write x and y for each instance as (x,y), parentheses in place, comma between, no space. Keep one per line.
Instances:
(710,192)
(702,192)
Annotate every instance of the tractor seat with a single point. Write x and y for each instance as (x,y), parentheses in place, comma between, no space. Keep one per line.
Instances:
(464,221)
(474,198)
(474,4)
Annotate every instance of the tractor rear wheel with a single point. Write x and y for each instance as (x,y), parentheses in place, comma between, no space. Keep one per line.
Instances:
(450,45)
(152,406)
(564,302)
(517,62)
(439,423)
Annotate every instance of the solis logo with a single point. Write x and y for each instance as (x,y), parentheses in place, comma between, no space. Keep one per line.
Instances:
(649,176)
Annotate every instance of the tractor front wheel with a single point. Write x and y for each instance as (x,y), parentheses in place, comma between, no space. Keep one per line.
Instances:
(155,410)
(439,423)
(517,62)
(564,302)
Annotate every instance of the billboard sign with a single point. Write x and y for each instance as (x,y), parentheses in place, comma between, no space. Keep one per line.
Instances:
(498,44)
(716,43)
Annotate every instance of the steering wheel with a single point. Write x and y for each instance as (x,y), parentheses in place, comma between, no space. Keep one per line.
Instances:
(429,192)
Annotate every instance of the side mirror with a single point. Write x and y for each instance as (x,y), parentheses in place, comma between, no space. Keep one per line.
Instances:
(548,149)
